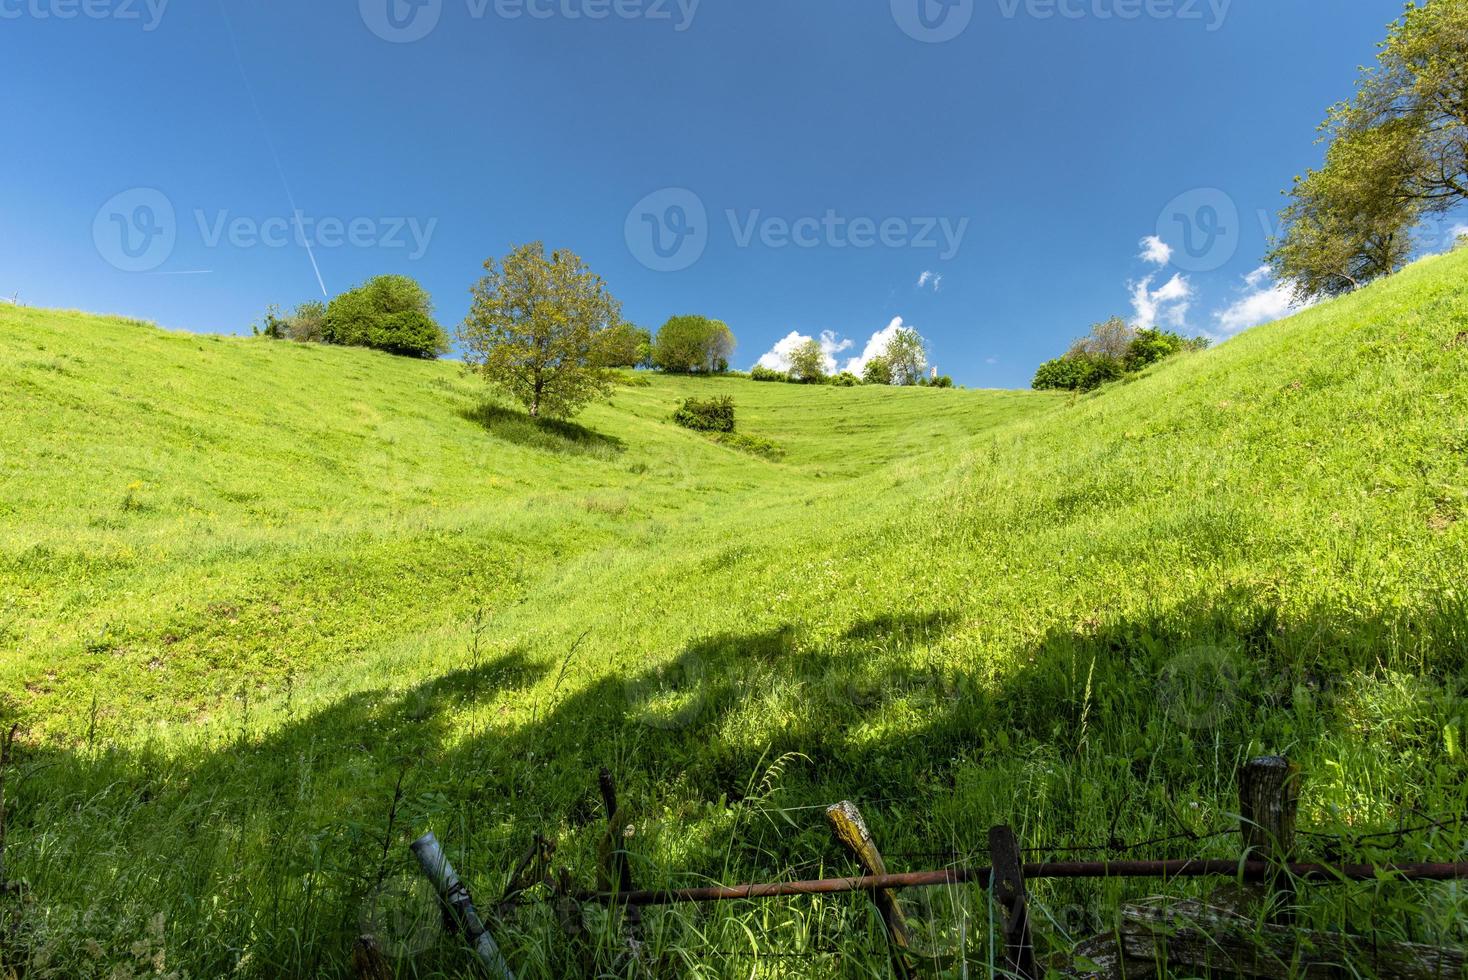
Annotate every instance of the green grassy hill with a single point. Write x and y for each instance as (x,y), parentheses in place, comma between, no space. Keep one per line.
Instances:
(269,611)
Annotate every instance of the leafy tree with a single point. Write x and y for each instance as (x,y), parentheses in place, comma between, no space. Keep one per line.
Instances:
(1111,338)
(808,362)
(274,326)
(878,371)
(907,355)
(535,329)
(308,324)
(626,345)
(1398,153)
(693,345)
(388,313)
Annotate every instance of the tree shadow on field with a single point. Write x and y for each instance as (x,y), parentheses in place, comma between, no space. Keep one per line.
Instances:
(1095,729)
(548,435)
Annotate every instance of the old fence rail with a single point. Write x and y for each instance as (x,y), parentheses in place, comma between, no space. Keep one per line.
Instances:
(1188,934)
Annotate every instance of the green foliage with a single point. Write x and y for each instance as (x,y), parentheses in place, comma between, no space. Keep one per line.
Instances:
(1112,349)
(626,345)
(846,380)
(1077,372)
(808,363)
(878,371)
(753,445)
(537,327)
(1398,152)
(1151,346)
(1111,338)
(941,381)
(907,357)
(388,313)
(693,345)
(706,415)
(761,373)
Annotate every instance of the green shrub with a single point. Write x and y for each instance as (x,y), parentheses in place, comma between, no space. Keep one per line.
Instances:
(845,380)
(1077,372)
(389,313)
(762,373)
(1151,346)
(710,415)
(878,371)
(754,445)
(941,381)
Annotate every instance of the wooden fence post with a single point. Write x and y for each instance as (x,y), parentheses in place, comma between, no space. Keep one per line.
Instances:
(618,867)
(1007,890)
(851,830)
(1269,803)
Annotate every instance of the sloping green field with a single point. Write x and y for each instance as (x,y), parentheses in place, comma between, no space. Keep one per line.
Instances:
(270,611)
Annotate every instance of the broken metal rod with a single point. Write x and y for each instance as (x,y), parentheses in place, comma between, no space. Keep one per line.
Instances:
(455,896)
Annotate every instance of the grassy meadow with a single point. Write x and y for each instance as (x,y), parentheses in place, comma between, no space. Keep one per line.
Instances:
(269,611)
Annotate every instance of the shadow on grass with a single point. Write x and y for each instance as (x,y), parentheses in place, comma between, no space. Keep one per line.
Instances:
(1102,728)
(547,435)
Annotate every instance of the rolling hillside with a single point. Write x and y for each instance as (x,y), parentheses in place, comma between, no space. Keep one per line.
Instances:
(270,611)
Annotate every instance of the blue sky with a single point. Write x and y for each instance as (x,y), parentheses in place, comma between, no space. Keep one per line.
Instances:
(986,171)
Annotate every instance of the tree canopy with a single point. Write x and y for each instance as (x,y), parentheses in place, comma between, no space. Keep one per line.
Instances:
(537,327)
(388,313)
(808,362)
(1398,153)
(693,345)
(907,356)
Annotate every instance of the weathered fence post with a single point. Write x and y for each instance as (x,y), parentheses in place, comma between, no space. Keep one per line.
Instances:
(455,896)
(1269,803)
(851,830)
(618,867)
(1007,890)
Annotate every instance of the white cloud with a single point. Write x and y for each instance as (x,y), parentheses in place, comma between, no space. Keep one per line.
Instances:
(930,277)
(1266,302)
(778,358)
(1168,304)
(875,347)
(1155,250)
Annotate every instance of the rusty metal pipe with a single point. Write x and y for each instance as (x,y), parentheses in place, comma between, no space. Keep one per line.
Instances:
(1184,868)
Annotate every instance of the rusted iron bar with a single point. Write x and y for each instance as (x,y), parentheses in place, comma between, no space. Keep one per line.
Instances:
(1184,868)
